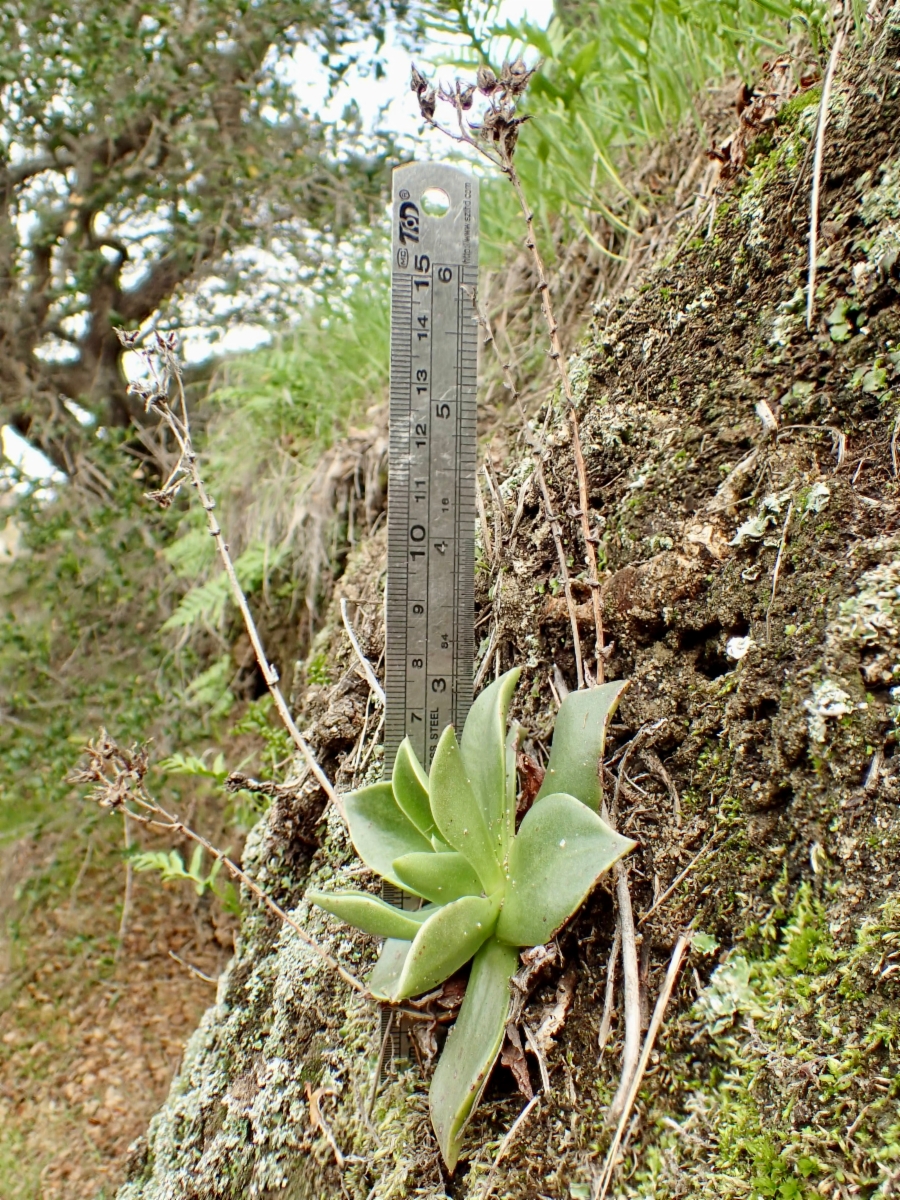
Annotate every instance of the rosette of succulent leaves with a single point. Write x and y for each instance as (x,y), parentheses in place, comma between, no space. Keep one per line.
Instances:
(486,889)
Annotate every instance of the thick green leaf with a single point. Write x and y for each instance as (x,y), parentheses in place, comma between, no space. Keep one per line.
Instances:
(484,755)
(380,831)
(445,942)
(458,813)
(385,974)
(559,853)
(410,784)
(370,914)
(437,877)
(472,1046)
(579,739)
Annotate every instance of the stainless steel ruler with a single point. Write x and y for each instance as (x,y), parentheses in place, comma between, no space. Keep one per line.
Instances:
(431,494)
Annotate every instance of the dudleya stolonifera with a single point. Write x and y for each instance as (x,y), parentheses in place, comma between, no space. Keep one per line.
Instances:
(487,890)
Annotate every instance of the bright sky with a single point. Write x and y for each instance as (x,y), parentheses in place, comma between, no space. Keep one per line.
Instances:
(387,103)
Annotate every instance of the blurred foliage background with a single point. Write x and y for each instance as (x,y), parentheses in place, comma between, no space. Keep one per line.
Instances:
(161,173)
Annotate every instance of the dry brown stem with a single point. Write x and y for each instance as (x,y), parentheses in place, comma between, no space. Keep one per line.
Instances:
(656,1021)
(661,899)
(496,141)
(157,398)
(559,358)
(777,571)
(817,174)
(537,456)
(609,994)
(506,1143)
(371,677)
(117,777)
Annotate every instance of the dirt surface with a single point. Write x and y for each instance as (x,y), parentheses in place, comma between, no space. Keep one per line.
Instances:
(90,1042)
(746,509)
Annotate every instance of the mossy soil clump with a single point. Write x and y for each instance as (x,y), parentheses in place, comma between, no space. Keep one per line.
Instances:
(746,508)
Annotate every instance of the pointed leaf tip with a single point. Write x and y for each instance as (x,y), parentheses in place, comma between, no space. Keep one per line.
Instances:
(579,740)
(458,813)
(446,942)
(370,914)
(484,752)
(410,784)
(380,831)
(559,853)
(472,1047)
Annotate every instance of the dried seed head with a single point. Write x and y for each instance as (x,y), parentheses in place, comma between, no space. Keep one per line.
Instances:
(427,104)
(466,97)
(486,80)
(417,82)
(128,337)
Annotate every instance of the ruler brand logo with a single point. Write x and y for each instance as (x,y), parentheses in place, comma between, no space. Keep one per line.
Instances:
(409,222)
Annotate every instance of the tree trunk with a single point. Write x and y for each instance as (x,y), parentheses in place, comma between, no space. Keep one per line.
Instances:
(752,600)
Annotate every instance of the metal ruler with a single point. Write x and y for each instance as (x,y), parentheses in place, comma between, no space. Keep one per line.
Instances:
(430,617)
(431,493)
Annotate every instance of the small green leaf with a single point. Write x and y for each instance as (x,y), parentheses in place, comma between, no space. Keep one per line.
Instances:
(446,941)
(385,974)
(559,853)
(579,738)
(458,813)
(472,1046)
(484,754)
(410,784)
(380,831)
(370,914)
(437,877)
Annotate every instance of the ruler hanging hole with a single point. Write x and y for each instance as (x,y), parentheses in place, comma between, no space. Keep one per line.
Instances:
(435,202)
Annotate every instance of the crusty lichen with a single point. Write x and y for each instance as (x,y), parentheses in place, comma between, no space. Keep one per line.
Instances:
(776,1070)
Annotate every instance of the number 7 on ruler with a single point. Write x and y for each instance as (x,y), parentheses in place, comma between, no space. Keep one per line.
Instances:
(431,493)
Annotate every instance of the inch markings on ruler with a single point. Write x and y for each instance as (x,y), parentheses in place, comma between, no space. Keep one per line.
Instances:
(431,495)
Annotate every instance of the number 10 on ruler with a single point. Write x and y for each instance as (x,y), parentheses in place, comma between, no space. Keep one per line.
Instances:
(431,499)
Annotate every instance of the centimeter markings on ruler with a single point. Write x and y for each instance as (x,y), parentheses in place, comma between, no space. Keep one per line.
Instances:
(431,496)
(430,609)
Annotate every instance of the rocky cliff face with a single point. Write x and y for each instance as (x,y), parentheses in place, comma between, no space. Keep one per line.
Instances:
(743,473)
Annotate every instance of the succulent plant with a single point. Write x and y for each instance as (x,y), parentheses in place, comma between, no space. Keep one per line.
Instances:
(486,890)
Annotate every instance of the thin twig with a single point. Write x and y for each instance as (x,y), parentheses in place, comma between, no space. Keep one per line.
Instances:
(497,509)
(628,752)
(609,995)
(371,677)
(631,990)
(630,977)
(181,431)
(817,174)
(129,888)
(117,777)
(483,522)
(556,353)
(82,871)
(486,661)
(552,519)
(318,1122)
(777,571)
(502,157)
(539,1055)
(656,1021)
(182,962)
(380,1064)
(653,760)
(661,899)
(506,1143)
